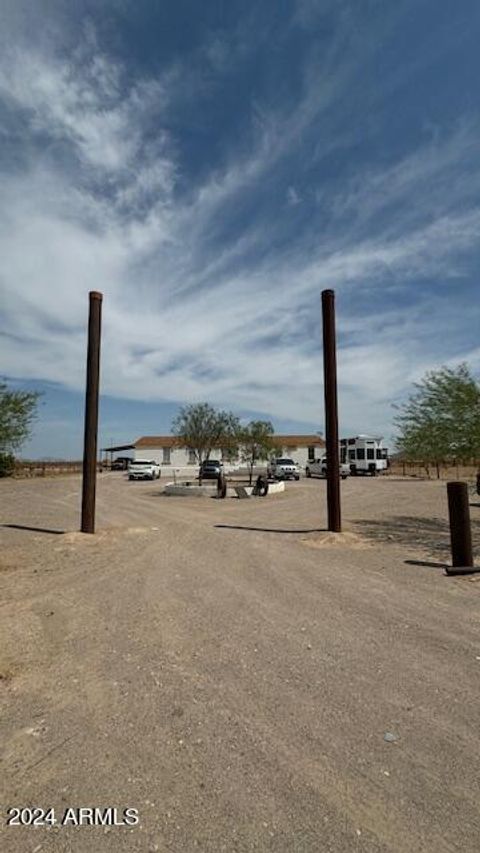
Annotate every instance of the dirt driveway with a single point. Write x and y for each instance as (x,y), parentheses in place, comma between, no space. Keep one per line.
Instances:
(245,687)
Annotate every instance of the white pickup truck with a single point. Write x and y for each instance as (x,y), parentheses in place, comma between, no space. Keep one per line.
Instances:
(283,469)
(318,468)
(143,469)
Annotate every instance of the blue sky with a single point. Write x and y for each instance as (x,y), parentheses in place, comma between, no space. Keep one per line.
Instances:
(211,168)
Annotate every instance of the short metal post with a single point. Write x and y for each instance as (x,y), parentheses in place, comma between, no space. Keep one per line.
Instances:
(460,532)
(91,413)
(331,411)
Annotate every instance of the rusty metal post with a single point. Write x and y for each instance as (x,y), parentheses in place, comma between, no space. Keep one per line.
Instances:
(91,413)
(331,411)
(221,486)
(460,532)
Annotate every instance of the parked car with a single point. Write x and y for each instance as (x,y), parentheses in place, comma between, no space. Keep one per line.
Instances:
(283,469)
(210,469)
(318,468)
(143,469)
(121,463)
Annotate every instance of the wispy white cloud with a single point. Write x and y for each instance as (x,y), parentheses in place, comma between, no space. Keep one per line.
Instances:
(293,197)
(440,176)
(182,320)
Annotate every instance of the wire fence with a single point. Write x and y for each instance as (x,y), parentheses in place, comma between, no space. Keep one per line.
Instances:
(49,469)
(398,467)
(449,470)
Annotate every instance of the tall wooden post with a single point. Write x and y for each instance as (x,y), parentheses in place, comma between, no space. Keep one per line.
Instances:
(91,413)
(331,411)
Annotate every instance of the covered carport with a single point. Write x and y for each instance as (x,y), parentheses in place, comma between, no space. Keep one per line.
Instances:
(119,448)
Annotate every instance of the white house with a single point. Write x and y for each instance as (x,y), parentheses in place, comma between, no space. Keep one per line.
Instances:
(168,452)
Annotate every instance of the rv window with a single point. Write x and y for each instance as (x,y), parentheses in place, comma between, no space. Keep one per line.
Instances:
(370,453)
(360,453)
(351,454)
(381,453)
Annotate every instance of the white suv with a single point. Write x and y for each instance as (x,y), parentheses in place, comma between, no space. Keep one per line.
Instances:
(142,469)
(283,469)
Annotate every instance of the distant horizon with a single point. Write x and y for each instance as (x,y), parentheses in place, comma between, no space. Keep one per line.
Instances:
(125,452)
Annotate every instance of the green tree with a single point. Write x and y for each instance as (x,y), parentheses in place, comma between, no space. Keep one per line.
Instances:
(17,411)
(256,442)
(202,428)
(441,419)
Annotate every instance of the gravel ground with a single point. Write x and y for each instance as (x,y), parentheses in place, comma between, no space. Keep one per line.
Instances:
(244,683)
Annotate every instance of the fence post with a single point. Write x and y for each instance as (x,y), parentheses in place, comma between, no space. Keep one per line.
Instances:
(460,532)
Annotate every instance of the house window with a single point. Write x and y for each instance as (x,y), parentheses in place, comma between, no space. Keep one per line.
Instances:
(370,453)
(192,457)
(166,456)
(311,454)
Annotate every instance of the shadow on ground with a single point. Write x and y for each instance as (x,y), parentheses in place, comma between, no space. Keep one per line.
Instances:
(33,529)
(427,563)
(426,534)
(271,529)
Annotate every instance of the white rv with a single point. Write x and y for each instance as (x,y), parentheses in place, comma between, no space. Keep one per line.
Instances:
(364,454)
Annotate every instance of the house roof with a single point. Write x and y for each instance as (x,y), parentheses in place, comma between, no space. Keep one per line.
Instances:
(300,440)
(157,441)
(282,440)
